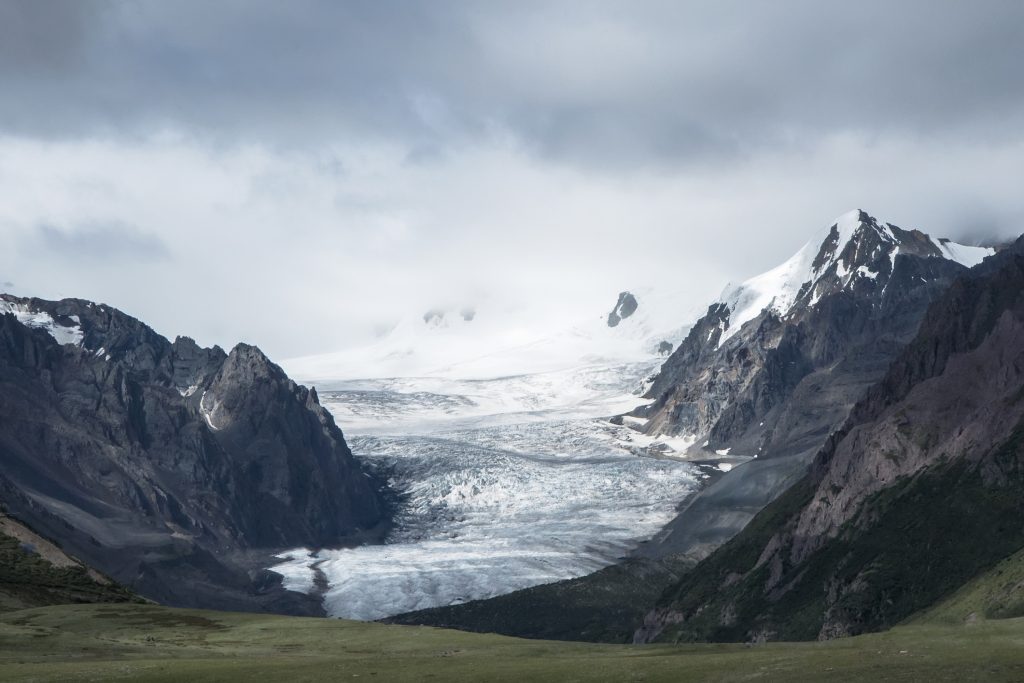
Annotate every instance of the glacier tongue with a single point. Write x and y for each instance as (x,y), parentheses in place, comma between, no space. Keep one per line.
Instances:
(509,482)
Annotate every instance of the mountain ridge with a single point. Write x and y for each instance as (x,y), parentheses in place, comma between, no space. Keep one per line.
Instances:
(166,465)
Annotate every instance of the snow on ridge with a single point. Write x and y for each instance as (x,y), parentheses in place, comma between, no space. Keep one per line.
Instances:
(777,289)
(67,335)
(503,343)
(962,254)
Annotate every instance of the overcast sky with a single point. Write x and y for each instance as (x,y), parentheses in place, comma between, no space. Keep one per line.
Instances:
(300,174)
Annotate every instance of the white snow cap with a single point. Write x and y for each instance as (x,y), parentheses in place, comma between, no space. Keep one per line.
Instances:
(778,288)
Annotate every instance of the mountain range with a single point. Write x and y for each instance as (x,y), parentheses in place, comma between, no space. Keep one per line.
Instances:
(859,411)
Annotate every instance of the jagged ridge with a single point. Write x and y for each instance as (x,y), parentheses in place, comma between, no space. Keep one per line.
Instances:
(169,466)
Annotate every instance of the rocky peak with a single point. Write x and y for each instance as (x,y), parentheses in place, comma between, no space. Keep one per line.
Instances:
(857,253)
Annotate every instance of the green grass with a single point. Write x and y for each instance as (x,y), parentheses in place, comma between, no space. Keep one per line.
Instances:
(150,643)
(996,594)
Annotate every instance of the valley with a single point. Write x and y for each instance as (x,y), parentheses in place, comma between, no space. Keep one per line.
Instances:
(506,483)
(147,643)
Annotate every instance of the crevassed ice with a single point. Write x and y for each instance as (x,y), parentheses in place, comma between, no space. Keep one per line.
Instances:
(495,501)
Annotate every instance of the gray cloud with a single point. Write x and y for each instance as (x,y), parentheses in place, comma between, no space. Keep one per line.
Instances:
(594,83)
(108,243)
(525,155)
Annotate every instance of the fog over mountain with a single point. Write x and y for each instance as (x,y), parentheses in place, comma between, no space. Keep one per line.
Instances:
(307,175)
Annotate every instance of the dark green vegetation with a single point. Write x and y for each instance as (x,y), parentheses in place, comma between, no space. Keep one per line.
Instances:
(605,606)
(149,643)
(28,580)
(914,543)
(996,594)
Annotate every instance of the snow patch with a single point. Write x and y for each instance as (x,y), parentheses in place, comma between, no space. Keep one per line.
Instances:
(67,335)
(964,255)
(208,412)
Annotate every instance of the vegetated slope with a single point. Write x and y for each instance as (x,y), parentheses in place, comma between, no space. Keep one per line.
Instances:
(921,490)
(172,468)
(601,607)
(34,572)
(149,643)
(995,594)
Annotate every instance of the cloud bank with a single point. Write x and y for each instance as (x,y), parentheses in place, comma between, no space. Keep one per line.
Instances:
(302,174)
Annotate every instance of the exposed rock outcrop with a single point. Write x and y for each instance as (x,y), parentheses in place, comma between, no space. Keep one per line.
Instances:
(625,306)
(173,468)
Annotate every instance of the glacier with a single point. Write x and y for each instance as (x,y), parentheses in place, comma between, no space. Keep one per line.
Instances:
(510,471)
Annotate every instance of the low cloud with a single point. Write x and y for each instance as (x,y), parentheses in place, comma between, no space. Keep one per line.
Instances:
(109,243)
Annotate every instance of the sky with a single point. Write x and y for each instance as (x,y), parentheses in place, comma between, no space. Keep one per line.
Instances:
(303,175)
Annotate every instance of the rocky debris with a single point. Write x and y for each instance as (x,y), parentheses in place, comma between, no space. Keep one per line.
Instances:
(175,469)
(625,306)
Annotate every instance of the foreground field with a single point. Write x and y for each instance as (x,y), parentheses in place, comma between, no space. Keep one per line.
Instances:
(142,642)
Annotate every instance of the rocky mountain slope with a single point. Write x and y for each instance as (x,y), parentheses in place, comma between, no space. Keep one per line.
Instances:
(776,365)
(172,468)
(920,490)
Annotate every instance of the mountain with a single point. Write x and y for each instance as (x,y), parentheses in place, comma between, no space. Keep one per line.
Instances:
(176,470)
(778,362)
(756,387)
(920,491)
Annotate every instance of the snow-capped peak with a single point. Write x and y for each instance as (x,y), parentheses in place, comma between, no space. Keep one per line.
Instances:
(854,247)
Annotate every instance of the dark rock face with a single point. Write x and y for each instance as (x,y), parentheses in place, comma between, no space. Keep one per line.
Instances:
(664,348)
(911,498)
(624,307)
(175,469)
(781,383)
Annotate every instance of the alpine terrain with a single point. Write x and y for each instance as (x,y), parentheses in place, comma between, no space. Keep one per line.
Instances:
(918,493)
(757,385)
(174,469)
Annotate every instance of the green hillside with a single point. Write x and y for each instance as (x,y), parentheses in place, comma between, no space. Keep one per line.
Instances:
(34,572)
